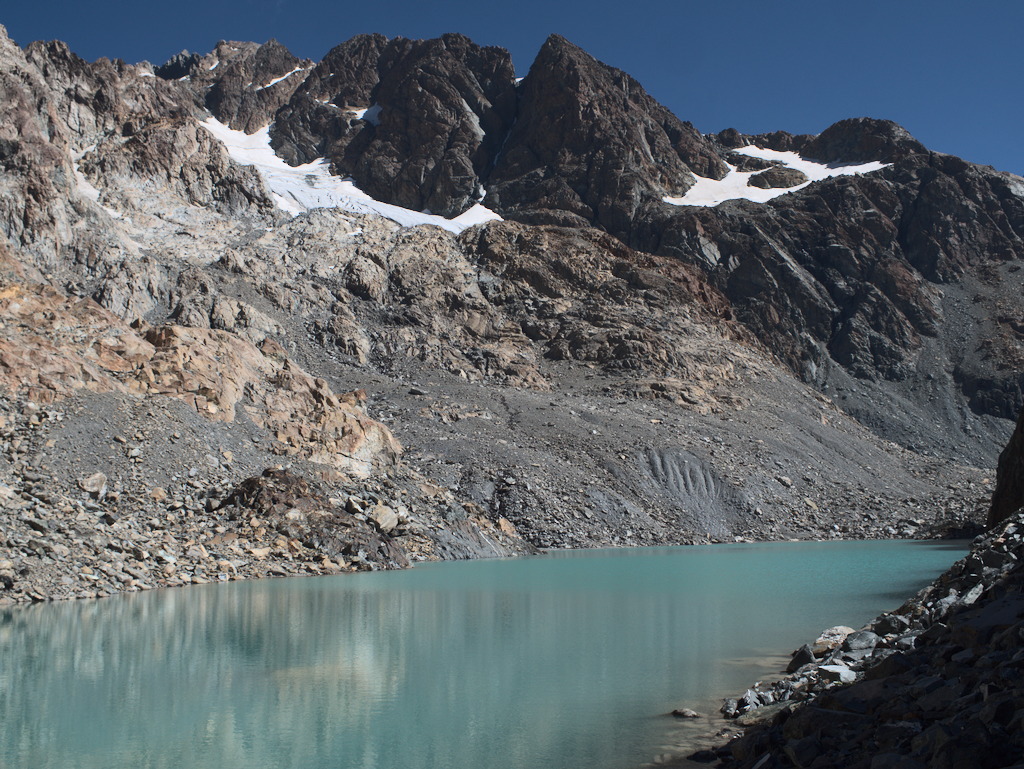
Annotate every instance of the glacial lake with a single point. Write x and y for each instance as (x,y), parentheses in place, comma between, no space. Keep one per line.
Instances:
(563,661)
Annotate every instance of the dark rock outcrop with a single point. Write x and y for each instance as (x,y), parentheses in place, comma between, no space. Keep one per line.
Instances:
(183,64)
(862,140)
(289,504)
(590,146)
(875,279)
(1008,496)
(773,178)
(441,110)
(247,83)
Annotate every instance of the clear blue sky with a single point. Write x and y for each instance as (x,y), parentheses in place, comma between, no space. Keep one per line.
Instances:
(950,72)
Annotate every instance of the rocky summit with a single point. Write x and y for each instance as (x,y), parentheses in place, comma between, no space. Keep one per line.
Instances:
(267,316)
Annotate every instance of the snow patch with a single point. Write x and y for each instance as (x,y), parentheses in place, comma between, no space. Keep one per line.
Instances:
(711,192)
(474,121)
(277,80)
(370,114)
(146,74)
(297,189)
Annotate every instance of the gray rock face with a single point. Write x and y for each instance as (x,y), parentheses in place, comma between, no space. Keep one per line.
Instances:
(191,162)
(858,280)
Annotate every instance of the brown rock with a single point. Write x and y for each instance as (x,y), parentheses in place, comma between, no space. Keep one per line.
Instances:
(95,484)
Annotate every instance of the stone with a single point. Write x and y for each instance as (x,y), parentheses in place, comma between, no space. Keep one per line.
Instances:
(890,624)
(703,756)
(830,639)
(95,484)
(802,656)
(803,752)
(1008,496)
(761,715)
(686,713)
(777,177)
(860,640)
(385,518)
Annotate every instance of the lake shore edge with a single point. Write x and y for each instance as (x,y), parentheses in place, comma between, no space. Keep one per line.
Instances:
(935,678)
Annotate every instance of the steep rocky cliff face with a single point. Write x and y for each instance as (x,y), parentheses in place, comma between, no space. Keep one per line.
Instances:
(1008,496)
(603,367)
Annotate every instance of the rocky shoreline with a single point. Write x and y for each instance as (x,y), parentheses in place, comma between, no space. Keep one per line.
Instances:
(936,683)
(138,506)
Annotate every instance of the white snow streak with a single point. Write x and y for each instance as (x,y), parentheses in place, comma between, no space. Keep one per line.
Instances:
(302,188)
(277,80)
(711,192)
(86,188)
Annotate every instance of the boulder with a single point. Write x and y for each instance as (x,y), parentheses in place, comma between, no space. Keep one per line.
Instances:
(860,640)
(777,177)
(802,656)
(830,639)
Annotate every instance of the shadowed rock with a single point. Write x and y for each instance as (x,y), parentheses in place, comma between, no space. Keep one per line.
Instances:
(1008,497)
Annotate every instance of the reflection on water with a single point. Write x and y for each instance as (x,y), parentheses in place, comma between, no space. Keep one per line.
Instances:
(556,661)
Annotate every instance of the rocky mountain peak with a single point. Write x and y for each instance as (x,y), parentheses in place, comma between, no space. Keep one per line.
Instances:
(247,83)
(590,145)
(182,64)
(862,140)
(347,74)
(416,123)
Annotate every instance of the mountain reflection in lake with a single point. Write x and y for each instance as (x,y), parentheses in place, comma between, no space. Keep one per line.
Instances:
(562,661)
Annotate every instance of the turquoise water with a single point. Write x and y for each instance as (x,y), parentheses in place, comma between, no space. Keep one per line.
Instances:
(564,661)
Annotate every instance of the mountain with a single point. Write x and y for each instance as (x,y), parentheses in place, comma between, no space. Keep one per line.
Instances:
(894,286)
(264,315)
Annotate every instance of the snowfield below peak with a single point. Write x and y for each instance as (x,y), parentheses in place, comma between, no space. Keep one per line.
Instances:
(735,185)
(297,189)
